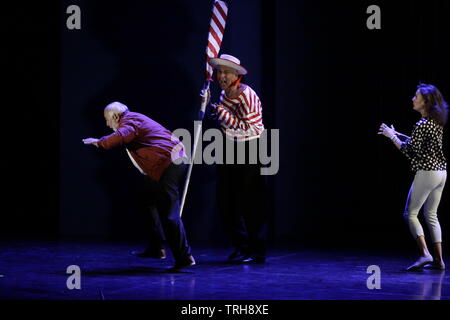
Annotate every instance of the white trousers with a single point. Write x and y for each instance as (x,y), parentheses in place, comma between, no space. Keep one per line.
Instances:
(426,190)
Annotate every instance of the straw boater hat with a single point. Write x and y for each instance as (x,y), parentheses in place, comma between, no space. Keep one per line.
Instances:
(228,61)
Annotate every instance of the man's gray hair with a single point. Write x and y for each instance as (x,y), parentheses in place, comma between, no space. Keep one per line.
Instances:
(116,108)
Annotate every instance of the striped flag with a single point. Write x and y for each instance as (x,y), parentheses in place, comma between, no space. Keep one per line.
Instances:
(216,31)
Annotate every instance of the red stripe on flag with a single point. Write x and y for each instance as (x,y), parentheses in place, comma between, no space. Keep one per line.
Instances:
(213,50)
(209,54)
(218,24)
(216,31)
(215,36)
(219,8)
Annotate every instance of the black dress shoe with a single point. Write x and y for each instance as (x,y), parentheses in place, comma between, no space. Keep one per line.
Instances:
(150,254)
(237,256)
(252,259)
(259,259)
(189,261)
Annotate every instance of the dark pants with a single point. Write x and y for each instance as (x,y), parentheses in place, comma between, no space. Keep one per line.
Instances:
(241,195)
(163,202)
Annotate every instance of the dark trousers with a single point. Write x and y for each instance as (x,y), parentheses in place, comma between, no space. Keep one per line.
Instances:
(163,203)
(241,195)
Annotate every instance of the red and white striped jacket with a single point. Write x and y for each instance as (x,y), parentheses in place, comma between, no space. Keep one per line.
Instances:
(241,118)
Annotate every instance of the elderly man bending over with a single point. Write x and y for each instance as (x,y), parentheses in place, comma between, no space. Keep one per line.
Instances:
(152,149)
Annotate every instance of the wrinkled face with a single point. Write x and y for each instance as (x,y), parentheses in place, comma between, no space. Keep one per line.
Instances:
(112,120)
(419,103)
(226,76)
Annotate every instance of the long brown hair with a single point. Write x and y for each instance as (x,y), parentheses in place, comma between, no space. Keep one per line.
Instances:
(435,103)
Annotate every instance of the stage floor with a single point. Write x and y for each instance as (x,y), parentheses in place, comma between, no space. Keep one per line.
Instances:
(37,270)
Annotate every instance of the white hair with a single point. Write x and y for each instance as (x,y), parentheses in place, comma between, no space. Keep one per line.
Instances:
(116,108)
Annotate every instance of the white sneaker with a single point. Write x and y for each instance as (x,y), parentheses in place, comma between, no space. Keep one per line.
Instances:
(422,261)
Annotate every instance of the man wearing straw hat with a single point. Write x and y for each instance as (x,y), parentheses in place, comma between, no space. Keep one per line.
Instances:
(152,149)
(241,187)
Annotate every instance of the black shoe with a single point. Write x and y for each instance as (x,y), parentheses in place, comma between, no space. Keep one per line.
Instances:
(252,259)
(436,265)
(237,256)
(189,261)
(259,259)
(150,254)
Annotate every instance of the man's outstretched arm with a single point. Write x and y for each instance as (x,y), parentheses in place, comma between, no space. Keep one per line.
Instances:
(91,141)
(125,134)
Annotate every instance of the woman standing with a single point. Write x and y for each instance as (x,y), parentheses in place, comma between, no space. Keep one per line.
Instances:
(424,150)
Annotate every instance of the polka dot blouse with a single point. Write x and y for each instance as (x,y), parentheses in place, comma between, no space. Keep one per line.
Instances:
(424,148)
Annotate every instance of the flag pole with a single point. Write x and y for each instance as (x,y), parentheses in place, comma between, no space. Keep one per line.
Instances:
(198,132)
(215,36)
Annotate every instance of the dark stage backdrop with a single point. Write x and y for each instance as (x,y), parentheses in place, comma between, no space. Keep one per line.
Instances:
(325,80)
(336,82)
(30,61)
(151,56)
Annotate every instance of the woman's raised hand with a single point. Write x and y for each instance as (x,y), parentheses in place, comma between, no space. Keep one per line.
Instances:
(387,131)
